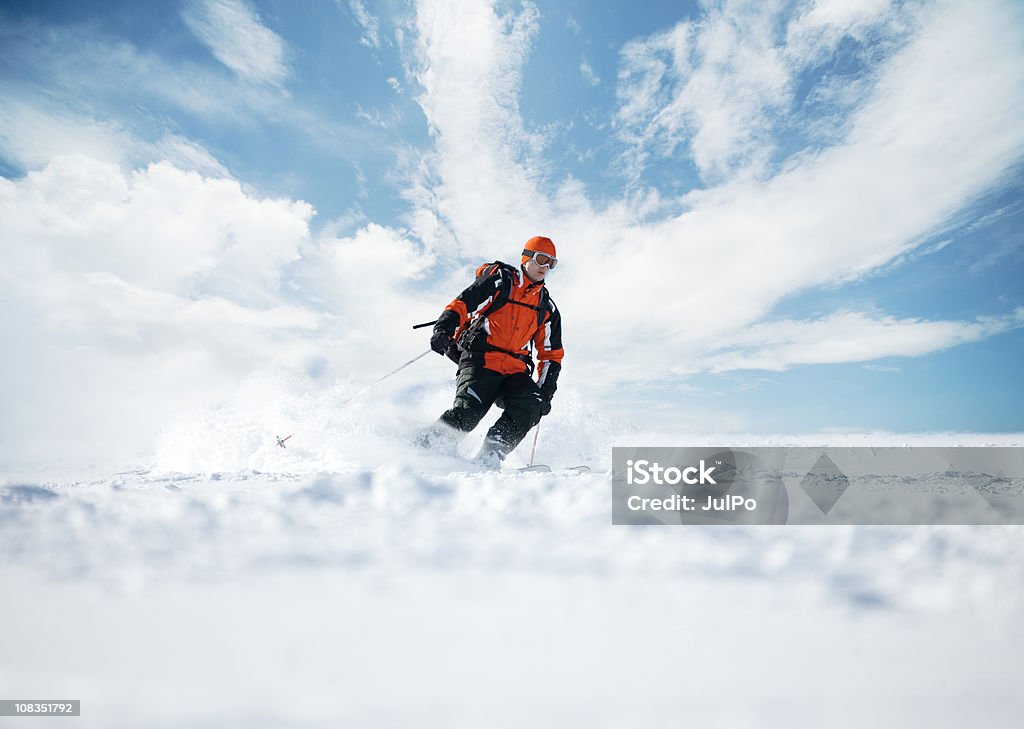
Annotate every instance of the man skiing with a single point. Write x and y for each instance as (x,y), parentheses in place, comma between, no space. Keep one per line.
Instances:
(487,329)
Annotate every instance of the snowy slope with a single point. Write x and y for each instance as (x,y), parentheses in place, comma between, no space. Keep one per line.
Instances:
(348,580)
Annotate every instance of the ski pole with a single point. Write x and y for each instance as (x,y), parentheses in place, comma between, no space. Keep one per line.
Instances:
(389,374)
(533,451)
(350,398)
(424,324)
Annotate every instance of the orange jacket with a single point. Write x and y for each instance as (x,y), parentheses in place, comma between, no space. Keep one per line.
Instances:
(503,334)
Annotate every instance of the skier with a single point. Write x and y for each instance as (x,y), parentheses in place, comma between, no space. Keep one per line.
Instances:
(487,330)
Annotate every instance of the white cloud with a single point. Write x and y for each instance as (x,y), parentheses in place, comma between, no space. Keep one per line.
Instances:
(849,337)
(822,24)
(369,24)
(129,297)
(31,135)
(717,88)
(212,238)
(710,86)
(588,74)
(371,277)
(234,33)
(481,179)
(185,154)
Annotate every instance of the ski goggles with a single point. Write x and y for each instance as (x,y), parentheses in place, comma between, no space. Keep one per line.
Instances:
(541,259)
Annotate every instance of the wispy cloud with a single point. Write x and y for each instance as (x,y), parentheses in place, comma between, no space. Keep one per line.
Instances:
(237,37)
(31,134)
(35,131)
(480,179)
(939,128)
(849,337)
(716,89)
(368,22)
(588,74)
(87,88)
(89,69)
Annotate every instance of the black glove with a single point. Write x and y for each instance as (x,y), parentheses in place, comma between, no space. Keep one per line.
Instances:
(444,328)
(545,406)
(440,340)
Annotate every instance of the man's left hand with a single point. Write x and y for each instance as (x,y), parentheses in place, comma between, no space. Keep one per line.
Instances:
(440,341)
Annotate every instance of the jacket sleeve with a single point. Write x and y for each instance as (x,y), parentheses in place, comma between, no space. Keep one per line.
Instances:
(475,298)
(548,343)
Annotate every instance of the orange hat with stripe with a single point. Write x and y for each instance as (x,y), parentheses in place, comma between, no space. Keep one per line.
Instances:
(539,244)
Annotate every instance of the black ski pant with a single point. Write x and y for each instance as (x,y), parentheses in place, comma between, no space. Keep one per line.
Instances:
(477,388)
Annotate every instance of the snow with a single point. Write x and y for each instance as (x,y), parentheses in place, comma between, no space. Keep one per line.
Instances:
(348,580)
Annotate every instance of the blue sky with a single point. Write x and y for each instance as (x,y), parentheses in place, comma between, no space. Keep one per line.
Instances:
(773,216)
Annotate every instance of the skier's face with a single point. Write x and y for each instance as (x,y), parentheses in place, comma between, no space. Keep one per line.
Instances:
(534,271)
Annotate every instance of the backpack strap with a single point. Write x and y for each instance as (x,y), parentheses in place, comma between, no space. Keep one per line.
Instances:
(504,293)
(543,305)
(503,296)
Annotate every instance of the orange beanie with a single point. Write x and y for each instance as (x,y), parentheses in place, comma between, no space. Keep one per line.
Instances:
(542,244)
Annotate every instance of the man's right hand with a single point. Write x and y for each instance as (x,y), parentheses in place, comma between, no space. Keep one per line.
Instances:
(440,341)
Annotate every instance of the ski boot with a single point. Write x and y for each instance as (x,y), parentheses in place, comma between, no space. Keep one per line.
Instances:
(439,438)
(491,454)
